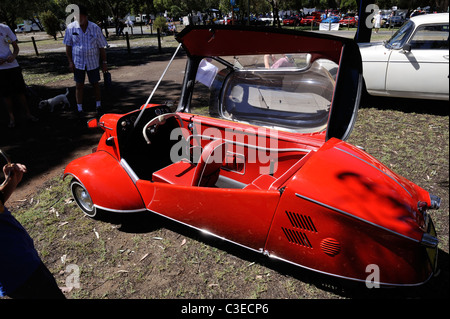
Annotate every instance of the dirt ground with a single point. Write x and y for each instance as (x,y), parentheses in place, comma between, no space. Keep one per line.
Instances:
(146,256)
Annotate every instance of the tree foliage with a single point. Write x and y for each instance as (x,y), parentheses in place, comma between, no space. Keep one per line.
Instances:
(14,11)
(160,23)
(51,23)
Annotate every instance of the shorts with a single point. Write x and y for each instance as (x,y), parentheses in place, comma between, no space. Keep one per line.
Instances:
(11,82)
(93,75)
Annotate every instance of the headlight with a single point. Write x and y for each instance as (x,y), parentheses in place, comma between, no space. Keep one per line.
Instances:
(429,240)
(435,202)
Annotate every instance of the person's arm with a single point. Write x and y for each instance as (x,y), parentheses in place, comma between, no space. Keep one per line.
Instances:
(103,59)
(15,173)
(70,58)
(68,42)
(102,44)
(15,53)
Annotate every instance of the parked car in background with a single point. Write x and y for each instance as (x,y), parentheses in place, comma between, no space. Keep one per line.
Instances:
(255,155)
(331,19)
(266,20)
(394,21)
(413,63)
(348,21)
(27,26)
(308,20)
(292,20)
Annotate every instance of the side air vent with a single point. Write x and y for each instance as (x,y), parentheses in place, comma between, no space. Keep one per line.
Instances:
(296,237)
(301,221)
(330,246)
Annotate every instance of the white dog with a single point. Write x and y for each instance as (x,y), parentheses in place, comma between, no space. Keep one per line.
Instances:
(55,101)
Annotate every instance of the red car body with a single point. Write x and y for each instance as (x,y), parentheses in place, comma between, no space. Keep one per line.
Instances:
(328,206)
(348,21)
(308,20)
(291,21)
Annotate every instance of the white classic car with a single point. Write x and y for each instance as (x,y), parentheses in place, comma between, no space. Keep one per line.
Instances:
(413,63)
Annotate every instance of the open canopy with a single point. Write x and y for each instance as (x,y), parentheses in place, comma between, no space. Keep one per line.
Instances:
(219,41)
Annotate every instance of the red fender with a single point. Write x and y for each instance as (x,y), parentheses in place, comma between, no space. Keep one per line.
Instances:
(107,182)
(342,211)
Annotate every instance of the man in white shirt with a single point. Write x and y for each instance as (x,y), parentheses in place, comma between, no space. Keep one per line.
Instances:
(85,45)
(11,79)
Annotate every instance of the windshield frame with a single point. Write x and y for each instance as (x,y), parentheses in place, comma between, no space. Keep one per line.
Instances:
(404,33)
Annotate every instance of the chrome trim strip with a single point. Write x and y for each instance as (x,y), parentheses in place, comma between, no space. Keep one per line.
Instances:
(102,125)
(263,148)
(375,168)
(129,170)
(353,216)
(120,210)
(350,278)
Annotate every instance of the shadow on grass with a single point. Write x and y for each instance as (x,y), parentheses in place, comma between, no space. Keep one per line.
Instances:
(146,222)
(53,139)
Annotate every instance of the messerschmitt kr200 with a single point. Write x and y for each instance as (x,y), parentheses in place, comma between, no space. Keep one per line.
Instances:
(255,153)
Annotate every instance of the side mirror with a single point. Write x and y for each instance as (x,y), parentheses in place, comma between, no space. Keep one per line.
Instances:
(92,123)
(407,48)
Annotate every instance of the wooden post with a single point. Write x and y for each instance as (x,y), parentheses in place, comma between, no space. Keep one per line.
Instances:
(128,43)
(159,40)
(34,45)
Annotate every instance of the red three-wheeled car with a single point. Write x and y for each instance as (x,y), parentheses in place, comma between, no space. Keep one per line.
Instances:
(255,153)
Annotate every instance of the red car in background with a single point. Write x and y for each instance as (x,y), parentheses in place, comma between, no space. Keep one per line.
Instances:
(257,156)
(348,21)
(293,20)
(312,19)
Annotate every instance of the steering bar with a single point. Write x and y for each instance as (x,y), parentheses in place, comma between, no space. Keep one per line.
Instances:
(159,120)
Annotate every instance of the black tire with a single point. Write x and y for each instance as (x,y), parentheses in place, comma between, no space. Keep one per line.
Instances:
(82,198)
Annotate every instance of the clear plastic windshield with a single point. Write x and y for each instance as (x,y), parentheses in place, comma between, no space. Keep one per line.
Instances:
(282,91)
(399,38)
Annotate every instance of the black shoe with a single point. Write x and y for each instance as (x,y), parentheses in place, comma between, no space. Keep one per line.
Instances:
(80,114)
(99,111)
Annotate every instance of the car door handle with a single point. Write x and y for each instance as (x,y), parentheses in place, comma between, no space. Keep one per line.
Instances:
(446,57)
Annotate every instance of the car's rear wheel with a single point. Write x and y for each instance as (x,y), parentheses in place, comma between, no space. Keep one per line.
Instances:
(82,198)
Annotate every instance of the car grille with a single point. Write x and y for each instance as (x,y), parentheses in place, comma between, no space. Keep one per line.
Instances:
(296,237)
(301,221)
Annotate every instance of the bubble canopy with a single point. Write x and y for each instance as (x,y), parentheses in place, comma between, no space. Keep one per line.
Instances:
(332,63)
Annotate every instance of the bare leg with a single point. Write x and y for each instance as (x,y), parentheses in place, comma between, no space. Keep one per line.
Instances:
(79,93)
(9,108)
(24,103)
(97,92)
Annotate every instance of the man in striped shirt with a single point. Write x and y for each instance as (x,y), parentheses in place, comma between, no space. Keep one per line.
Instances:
(85,45)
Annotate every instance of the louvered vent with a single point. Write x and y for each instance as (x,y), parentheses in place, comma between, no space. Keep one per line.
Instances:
(296,237)
(330,246)
(301,221)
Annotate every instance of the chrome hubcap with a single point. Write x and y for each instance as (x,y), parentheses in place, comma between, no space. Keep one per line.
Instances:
(83,198)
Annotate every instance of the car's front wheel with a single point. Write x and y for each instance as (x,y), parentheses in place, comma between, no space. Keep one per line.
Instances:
(82,198)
